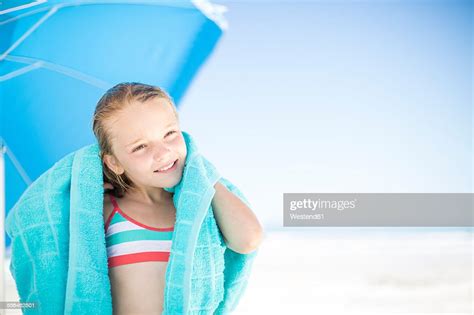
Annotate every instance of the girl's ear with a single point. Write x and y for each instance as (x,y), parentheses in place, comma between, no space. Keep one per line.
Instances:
(111,162)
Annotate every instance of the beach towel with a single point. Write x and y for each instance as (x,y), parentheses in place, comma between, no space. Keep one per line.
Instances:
(59,257)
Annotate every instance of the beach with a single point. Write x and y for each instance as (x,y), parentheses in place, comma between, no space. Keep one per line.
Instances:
(308,272)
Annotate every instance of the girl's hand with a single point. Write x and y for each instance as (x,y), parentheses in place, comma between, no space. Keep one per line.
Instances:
(108,186)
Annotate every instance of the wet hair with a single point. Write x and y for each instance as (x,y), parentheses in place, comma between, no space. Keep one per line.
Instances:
(112,102)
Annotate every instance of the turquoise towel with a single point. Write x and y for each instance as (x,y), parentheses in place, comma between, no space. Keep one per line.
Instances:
(59,257)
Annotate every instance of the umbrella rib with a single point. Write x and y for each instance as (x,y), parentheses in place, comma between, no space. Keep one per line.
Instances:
(28,33)
(21,71)
(204,6)
(15,162)
(23,15)
(63,70)
(21,7)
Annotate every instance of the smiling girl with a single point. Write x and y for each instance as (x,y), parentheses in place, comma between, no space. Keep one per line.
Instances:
(143,151)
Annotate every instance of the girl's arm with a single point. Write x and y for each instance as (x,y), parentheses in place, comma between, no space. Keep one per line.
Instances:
(240,227)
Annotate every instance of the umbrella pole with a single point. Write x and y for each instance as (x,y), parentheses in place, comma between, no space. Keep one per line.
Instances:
(2,222)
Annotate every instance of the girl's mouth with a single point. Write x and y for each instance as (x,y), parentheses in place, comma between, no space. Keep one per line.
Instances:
(168,168)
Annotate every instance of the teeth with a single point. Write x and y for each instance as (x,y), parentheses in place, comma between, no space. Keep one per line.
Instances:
(165,168)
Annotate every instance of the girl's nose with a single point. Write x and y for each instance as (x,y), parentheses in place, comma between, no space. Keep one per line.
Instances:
(160,153)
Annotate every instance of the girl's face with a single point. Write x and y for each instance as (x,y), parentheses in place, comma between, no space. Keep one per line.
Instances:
(146,138)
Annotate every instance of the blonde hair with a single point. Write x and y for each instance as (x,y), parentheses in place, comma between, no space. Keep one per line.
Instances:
(112,102)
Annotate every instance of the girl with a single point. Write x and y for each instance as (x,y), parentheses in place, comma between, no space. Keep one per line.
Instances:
(143,151)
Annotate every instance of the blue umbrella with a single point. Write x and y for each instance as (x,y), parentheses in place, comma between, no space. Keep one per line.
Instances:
(58,57)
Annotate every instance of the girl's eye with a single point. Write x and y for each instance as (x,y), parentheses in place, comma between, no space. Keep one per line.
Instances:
(170,132)
(142,145)
(137,148)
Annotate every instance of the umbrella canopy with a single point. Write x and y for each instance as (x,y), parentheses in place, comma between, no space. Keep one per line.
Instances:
(58,57)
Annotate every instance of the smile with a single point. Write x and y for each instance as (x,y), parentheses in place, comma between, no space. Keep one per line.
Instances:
(168,168)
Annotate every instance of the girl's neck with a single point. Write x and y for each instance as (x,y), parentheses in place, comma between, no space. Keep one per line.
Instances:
(151,196)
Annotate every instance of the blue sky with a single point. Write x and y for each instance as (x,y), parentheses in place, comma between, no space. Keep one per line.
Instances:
(366,96)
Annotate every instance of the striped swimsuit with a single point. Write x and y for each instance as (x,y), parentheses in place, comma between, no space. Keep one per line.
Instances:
(129,241)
